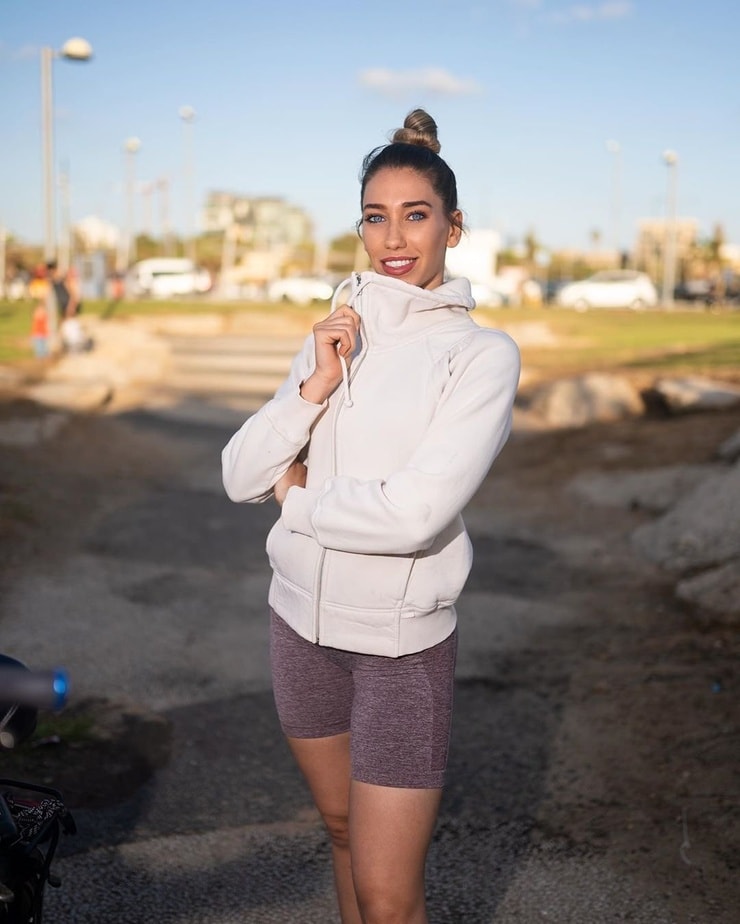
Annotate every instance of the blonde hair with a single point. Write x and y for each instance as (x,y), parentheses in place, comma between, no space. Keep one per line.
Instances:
(418,128)
(415,147)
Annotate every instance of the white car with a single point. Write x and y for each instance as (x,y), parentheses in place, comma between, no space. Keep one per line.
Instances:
(610,289)
(166,277)
(301,290)
(486,296)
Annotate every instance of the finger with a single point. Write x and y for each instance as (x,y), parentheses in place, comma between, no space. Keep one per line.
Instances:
(346,321)
(346,342)
(342,332)
(347,312)
(343,311)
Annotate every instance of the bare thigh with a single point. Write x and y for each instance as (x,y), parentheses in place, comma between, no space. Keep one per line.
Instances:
(387,830)
(325,764)
(390,833)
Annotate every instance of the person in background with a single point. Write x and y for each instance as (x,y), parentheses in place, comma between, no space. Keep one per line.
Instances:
(385,428)
(38,285)
(64,289)
(40,330)
(62,306)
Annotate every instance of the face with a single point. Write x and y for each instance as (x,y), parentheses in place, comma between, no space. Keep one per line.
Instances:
(405,229)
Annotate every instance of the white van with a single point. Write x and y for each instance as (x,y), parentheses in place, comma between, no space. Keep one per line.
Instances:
(165,277)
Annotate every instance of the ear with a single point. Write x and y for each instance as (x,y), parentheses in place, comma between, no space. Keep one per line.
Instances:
(453,238)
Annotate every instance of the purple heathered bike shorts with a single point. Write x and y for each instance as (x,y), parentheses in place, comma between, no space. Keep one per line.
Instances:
(398,710)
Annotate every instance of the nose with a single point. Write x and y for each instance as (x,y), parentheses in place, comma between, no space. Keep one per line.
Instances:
(394,236)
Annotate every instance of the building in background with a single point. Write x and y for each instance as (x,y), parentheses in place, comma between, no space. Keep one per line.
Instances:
(652,237)
(259,223)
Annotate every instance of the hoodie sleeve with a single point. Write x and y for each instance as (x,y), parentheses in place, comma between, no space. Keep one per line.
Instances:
(259,453)
(404,512)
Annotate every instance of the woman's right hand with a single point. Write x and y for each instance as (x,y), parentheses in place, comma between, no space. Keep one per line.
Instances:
(335,336)
(294,477)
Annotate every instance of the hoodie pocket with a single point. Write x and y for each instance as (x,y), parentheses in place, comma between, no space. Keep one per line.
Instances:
(293,556)
(372,583)
(439,574)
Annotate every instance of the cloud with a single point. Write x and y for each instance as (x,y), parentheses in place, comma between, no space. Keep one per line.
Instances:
(592,12)
(434,80)
(23,53)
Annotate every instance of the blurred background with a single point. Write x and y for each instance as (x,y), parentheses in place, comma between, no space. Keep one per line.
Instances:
(587,138)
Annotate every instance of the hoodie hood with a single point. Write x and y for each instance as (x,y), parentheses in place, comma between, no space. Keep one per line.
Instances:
(393,311)
(386,305)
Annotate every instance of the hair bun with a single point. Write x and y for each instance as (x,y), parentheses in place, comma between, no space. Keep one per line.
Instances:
(418,128)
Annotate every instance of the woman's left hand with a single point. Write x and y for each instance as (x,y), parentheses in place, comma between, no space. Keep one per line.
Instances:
(295,476)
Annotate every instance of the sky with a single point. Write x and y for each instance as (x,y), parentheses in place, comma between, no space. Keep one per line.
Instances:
(555,115)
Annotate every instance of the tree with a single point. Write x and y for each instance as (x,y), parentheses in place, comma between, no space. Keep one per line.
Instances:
(342,253)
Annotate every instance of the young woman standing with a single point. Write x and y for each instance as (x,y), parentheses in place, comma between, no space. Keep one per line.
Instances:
(386,426)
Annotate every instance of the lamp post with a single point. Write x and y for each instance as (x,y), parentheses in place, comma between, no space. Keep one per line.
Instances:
(75,49)
(670,159)
(187,114)
(615,149)
(163,186)
(131,147)
(65,245)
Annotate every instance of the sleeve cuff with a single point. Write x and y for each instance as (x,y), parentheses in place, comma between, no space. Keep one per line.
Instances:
(292,416)
(297,509)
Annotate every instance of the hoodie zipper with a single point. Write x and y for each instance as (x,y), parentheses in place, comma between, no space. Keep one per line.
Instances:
(346,402)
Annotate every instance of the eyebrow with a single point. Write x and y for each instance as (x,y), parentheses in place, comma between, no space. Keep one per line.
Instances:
(405,205)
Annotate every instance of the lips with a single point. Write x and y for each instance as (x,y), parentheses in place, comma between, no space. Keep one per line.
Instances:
(398,266)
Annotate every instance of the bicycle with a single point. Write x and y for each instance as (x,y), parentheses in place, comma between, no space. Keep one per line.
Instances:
(32,817)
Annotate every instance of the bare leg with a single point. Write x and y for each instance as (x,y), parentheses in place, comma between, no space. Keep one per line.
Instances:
(325,764)
(380,835)
(390,833)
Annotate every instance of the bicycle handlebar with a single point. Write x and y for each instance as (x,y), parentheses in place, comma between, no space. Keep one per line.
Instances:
(35,689)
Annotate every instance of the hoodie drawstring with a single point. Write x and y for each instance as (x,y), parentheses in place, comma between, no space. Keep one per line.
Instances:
(342,361)
(345,382)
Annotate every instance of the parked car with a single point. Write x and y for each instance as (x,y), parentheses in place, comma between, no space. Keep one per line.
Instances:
(551,289)
(166,277)
(694,290)
(486,296)
(300,290)
(609,289)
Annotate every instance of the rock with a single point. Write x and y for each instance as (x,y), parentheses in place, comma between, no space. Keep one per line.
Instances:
(702,530)
(655,491)
(123,357)
(729,451)
(695,393)
(30,431)
(716,592)
(586,399)
(75,395)
(10,377)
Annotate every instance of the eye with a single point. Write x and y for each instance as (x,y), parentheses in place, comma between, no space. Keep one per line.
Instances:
(373,219)
(417,216)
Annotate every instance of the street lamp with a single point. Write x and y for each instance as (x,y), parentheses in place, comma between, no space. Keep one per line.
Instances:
(163,187)
(75,49)
(131,147)
(615,149)
(187,114)
(670,159)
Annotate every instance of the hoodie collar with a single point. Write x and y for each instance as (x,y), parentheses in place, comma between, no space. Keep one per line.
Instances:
(392,311)
(390,307)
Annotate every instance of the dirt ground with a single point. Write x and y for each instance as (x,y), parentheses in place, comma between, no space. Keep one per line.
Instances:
(648,762)
(646,765)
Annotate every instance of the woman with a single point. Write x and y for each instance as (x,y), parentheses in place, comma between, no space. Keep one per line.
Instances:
(387,425)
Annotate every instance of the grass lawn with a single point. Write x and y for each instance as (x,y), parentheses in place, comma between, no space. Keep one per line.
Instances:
(679,341)
(676,341)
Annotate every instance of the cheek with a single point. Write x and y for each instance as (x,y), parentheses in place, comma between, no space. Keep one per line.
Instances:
(371,236)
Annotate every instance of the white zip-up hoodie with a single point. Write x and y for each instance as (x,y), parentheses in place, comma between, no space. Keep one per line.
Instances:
(371,555)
